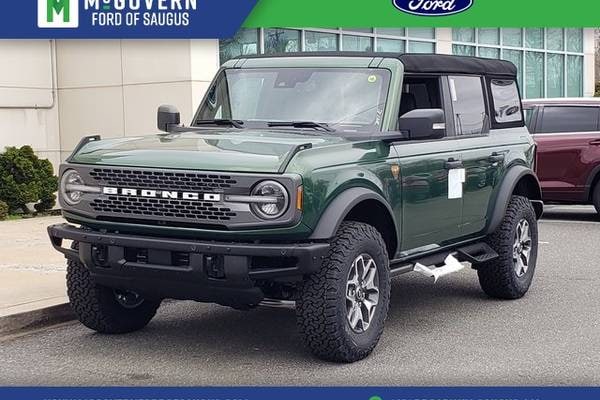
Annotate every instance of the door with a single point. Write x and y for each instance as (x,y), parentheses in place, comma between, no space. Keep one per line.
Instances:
(568,149)
(429,217)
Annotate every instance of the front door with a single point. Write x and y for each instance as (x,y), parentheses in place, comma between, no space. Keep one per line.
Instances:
(430,217)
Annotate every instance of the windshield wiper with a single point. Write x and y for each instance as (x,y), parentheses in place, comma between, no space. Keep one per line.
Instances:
(222,122)
(302,124)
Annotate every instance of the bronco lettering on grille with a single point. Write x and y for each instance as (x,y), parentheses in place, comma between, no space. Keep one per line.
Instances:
(163,194)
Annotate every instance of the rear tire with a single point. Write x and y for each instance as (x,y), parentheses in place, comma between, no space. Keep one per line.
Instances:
(516,242)
(103,309)
(342,308)
(596,197)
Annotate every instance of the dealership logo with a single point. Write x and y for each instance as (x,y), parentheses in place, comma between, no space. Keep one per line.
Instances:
(58,13)
(433,8)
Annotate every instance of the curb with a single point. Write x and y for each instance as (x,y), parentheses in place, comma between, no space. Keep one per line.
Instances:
(35,319)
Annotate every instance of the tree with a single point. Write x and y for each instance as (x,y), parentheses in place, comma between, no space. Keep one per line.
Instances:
(25,178)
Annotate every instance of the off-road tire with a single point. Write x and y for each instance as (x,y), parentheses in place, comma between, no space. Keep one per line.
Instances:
(97,308)
(498,278)
(321,307)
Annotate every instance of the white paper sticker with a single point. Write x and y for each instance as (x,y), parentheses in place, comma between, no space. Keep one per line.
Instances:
(456,178)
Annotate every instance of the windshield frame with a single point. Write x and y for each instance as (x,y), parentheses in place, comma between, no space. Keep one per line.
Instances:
(385,96)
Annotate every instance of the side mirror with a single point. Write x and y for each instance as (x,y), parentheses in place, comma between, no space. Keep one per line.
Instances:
(424,124)
(168,117)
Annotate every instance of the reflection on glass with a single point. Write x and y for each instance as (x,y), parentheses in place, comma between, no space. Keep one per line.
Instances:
(423,33)
(512,37)
(489,36)
(516,57)
(555,75)
(390,45)
(489,52)
(282,41)
(319,41)
(245,42)
(390,31)
(463,35)
(357,43)
(463,50)
(534,38)
(556,39)
(574,76)
(575,40)
(421,47)
(534,75)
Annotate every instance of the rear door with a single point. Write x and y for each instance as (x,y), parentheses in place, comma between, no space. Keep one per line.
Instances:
(482,156)
(568,140)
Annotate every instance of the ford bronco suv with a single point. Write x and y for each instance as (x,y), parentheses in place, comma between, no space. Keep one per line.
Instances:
(567,135)
(313,179)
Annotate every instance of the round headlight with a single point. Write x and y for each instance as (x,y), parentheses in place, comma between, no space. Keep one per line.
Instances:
(276,199)
(70,187)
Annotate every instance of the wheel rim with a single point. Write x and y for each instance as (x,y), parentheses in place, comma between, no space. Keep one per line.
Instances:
(522,248)
(362,293)
(128,299)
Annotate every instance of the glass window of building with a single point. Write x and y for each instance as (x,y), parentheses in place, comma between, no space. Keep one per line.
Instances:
(489,36)
(282,41)
(245,42)
(320,41)
(357,43)
(466,35)
(556,39)
(391,45)
(549,61)
(512,37)
(463,50)
(422,33)
(390,31)
(555,75)
(421,47)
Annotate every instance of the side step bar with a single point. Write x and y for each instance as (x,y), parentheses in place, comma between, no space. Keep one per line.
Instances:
(447,262)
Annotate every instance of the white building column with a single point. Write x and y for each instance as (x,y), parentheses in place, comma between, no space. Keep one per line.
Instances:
(444,40)
(589,62)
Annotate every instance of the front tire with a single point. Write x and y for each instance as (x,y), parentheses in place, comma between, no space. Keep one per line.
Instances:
(516,242)
(103,309)
(342,308)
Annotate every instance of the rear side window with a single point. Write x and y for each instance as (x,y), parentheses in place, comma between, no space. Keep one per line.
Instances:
(468,103)
(506,101)
(569,119)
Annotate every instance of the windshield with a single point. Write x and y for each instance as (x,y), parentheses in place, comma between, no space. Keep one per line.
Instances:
(350,99)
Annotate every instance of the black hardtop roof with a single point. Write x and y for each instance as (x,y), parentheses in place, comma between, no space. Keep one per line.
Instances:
(423,63)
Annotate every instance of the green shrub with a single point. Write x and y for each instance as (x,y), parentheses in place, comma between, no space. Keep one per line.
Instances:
(24,178)
(597,94)
(3,210)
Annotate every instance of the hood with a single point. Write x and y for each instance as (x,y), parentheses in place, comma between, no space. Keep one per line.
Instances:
(215,150)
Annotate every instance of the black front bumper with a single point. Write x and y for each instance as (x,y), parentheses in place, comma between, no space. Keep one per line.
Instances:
(224,273)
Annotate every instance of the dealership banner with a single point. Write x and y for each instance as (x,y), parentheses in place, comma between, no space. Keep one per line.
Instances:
(280,393)
(169,19)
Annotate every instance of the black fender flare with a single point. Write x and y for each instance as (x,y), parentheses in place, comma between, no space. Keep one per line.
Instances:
(340,207)
(511,179)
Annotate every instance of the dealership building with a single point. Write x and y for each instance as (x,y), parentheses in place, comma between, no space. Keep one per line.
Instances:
(54,92)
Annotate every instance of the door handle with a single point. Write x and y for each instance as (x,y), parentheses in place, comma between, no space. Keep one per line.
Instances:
(453,164)
(595,142)
(495,157)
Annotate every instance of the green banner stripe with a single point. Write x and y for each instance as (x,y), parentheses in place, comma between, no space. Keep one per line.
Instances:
(382,13)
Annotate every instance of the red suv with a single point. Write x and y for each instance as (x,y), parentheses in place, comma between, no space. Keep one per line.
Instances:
(567,132)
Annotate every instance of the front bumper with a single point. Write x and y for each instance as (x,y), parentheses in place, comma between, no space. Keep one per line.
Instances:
(207,271)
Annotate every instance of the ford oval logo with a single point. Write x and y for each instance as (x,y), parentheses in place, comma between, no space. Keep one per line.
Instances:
(433,8)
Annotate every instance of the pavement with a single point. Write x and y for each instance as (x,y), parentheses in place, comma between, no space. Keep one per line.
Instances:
(447,333)
(31,271)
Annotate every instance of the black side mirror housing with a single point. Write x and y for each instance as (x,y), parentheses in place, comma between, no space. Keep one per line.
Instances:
(168,117)
(423,124)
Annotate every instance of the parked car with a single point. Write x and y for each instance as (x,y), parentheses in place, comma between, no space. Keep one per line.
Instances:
(567,133)
(310,178)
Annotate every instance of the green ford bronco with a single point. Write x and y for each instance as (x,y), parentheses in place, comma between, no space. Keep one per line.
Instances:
(310,179)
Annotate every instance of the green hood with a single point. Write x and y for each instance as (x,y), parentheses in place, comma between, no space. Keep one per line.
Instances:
(225,150)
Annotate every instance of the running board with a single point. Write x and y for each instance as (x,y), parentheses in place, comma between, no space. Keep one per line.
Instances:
(451,265)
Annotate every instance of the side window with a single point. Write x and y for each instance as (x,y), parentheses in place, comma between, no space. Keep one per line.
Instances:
(569,119)
(507,103)
(528,116)
(468,103)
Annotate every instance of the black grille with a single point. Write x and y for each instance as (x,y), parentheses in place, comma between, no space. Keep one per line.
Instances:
(169,208)
(164,180)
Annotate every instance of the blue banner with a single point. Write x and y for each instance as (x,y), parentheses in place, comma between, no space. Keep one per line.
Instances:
(120,19)
(264,393)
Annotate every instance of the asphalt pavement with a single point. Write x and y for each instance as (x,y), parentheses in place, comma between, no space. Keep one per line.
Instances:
(447,333)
